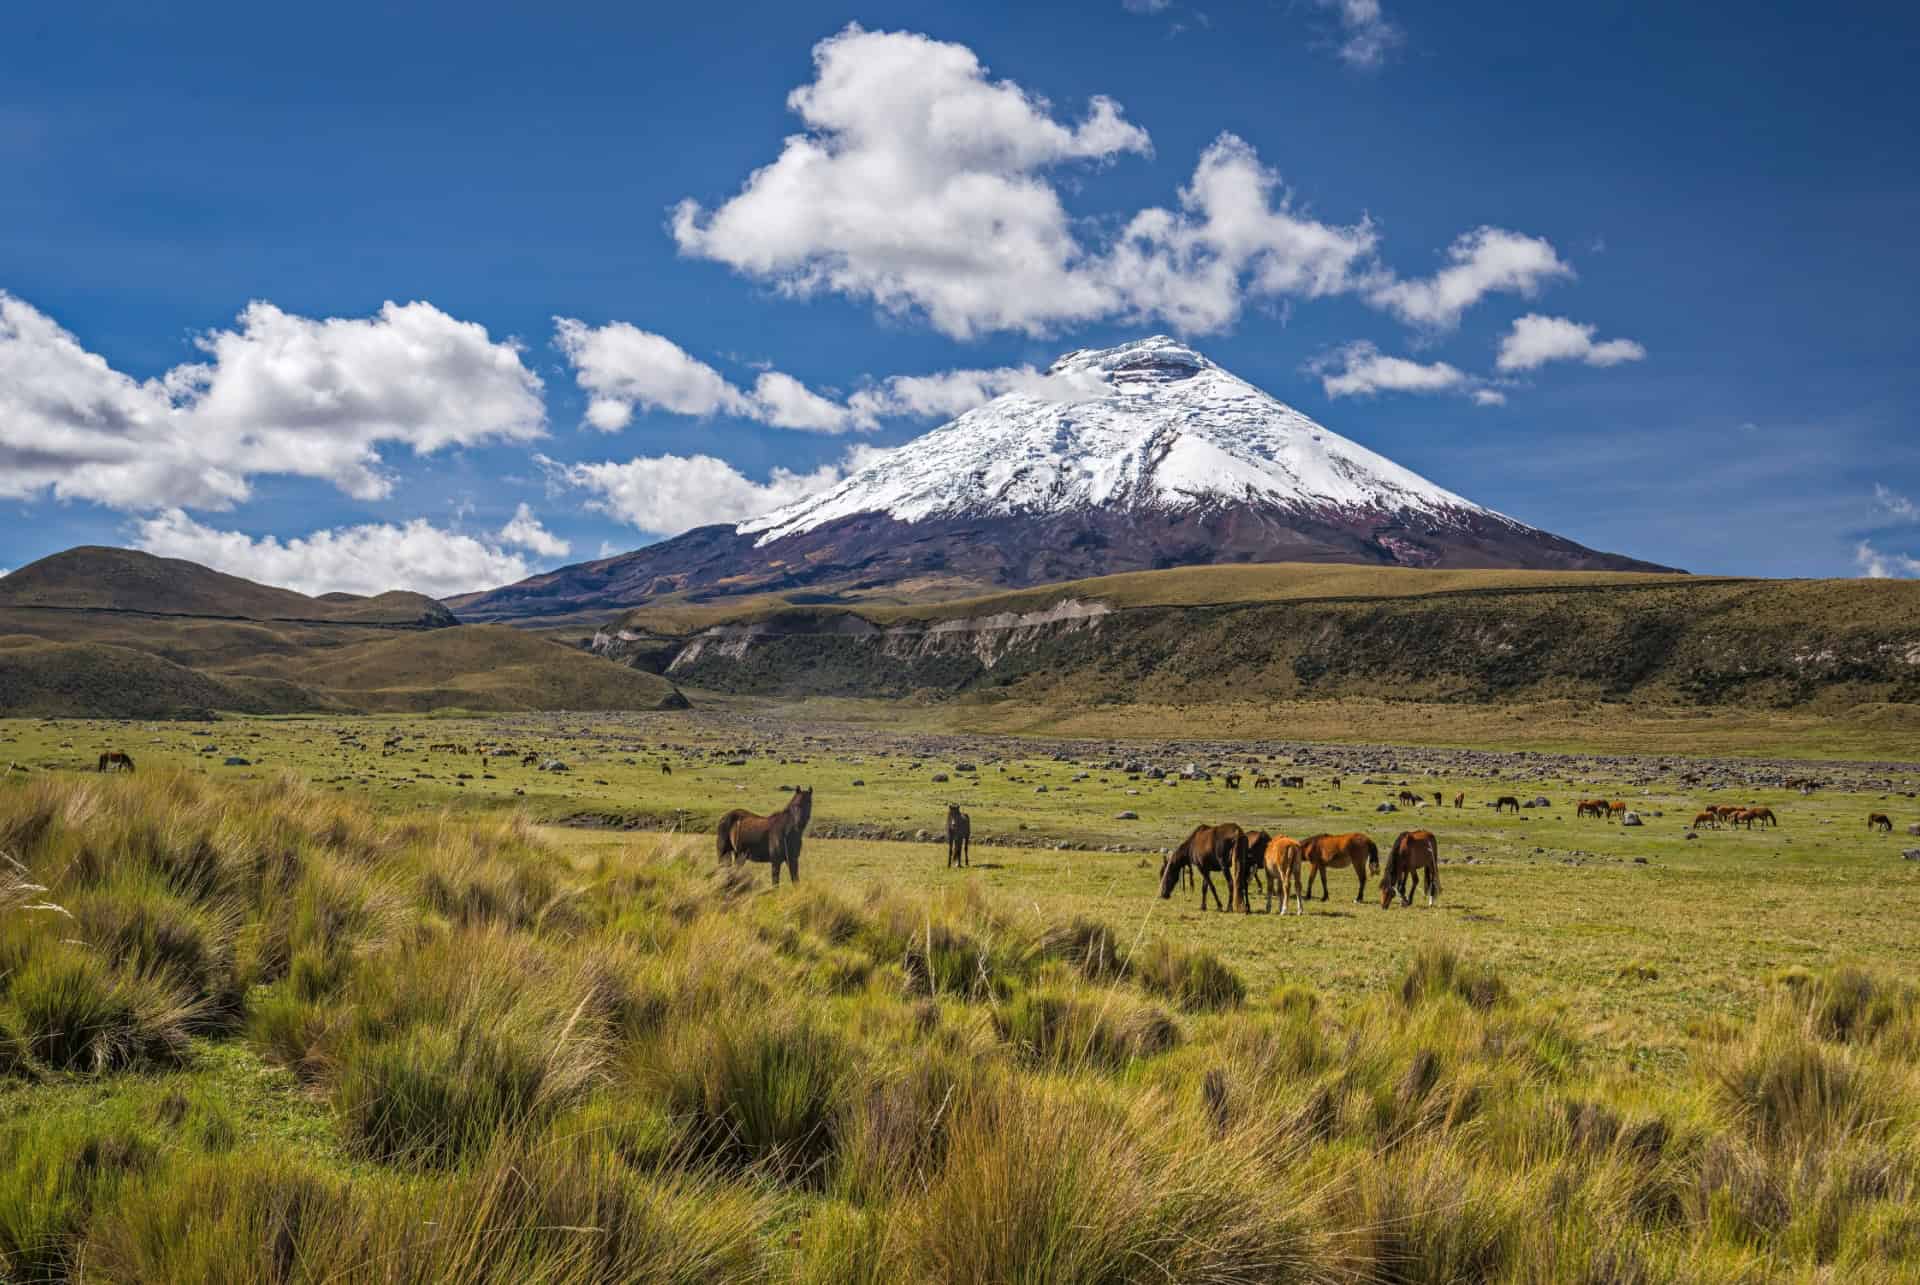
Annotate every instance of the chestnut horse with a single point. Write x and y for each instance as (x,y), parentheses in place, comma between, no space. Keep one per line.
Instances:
(1617,808)
(1210,849)
(774,838)
(1279,857)
(1880,821)
(1355,850)
(1414,852)
(959,836)
(117,759)
(1590,808)
(1708,819)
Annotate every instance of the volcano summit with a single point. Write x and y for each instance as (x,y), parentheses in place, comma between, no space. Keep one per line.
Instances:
(1132,458)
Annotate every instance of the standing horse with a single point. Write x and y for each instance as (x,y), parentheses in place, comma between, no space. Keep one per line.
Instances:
(1210,849)
(959,836)
(1708,820)
(1414,852)
(1279,856)
(1322,851)
(1506,801)
(1880,821)
(1459,801)
(118,760)
(1590,808)
(1764,816)
(774,838)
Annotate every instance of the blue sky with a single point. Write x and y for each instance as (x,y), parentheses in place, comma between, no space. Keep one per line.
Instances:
(438,295)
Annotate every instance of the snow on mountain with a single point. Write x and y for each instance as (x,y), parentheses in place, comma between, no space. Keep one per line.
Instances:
(1148,425)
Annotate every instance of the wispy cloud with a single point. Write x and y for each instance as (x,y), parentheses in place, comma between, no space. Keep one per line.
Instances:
(1536,340)
(1366,36)
(1894,504)
(1877,565)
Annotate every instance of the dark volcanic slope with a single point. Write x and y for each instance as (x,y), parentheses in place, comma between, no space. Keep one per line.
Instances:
(872,549)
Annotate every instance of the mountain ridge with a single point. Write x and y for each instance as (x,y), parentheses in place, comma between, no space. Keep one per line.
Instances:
(1146,455)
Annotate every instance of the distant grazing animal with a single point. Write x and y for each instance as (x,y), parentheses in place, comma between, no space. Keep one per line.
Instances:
(1617,810)
(1210,849)
(959,836)
(1279,856)
(1763,815)
(774,838)
(1300,782)
(1880,821)
(1460,800)
(1414,852)
(1233,780)
(1263,783)
(1591,808)
(666,769)
(1438,801)
(1335,782)
(529,760)
(1709,820)
(1355,851)
(119,760)
(1409,798)
(1506,801)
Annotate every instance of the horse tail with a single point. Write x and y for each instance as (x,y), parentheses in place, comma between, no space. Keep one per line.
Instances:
(725,837)
(1373,856)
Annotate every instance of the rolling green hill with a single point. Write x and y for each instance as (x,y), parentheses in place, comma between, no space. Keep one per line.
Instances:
(115,633)
(107,579)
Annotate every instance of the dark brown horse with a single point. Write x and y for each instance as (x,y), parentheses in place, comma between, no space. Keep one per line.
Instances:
(1210,849)
(1880,821)
(1414,852)
(774,838)
(1591,808)
(959,836)
(1506,801)
(115,759)
(1322,851)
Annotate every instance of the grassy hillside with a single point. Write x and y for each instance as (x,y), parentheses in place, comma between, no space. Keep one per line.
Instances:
(429,1049)
(127,580)
(1187,637)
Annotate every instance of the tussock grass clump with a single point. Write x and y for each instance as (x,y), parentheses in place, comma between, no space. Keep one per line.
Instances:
(1195,980)
(1096,1029)
(765,1091)
(54,1174)
(78,1014)
(1438,970)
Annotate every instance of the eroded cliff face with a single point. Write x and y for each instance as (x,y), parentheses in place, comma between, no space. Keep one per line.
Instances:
(848,654)
(1759,644)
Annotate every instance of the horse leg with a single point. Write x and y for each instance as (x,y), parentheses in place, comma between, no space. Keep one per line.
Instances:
(1360,868)
(1206,886)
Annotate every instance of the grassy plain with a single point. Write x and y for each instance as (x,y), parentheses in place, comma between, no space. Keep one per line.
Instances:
(289,1027)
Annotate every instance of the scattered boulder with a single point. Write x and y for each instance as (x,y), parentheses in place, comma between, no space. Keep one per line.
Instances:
(1126,816)
(234,760)
(1911,854)
(1386,807)
(1631,818)
(938,778)
(858,781)
(965,767)
(1913,827)
(554,765)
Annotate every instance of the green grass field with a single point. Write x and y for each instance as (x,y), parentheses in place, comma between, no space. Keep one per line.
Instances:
(344,1011)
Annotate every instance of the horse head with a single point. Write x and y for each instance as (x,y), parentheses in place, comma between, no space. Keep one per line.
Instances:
(801,806)
(1170,867)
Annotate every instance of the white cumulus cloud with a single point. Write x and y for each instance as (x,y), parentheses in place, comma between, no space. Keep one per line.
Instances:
(1360,370)
(1366,35)
(365,559)
(1536,340)
(1876,565)
(523,530)
(669,494)
(1485,261)
(923,185)
(277,394)
(1895,504)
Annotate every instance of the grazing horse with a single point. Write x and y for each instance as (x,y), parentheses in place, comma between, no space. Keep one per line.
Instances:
(1210,849)
(1300,782)
(119,760)
(1355,850)
(1414,852)
(666,769)
(1710,819)
(1459,800)
(1764,816)
(1506,801)
(1409,798)
(1439,801)
(1590,808)
(1233,780)
(1263,783)
(774,838)
(1880,821)
(959,836)
(1616,810)
(1279,856)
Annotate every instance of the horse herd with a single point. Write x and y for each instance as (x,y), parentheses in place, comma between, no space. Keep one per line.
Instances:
(1275,860)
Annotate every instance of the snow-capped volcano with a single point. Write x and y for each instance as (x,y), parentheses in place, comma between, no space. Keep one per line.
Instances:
(1132,458)
(1147,425)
